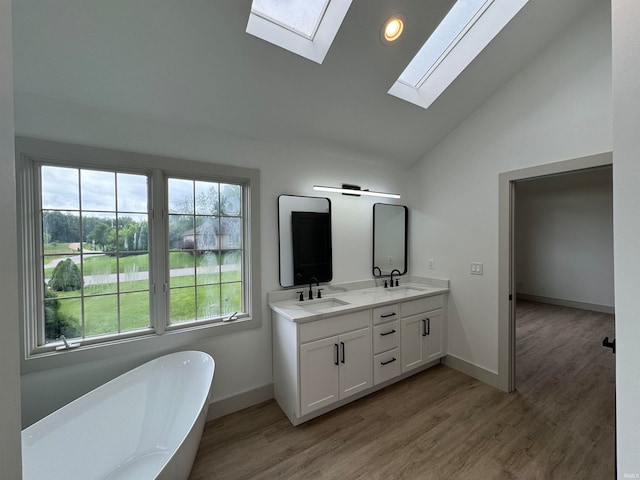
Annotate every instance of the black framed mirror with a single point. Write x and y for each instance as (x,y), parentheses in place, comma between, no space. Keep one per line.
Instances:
(304,233)
(390,225)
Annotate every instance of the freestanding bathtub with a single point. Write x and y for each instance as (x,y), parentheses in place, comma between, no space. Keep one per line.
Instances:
(144,424)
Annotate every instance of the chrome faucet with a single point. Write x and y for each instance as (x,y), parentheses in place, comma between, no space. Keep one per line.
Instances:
(392,272)
(313,279)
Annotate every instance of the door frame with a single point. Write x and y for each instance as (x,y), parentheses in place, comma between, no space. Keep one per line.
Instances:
(506,263)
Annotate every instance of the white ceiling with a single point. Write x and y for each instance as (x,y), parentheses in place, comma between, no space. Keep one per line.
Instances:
(191,61)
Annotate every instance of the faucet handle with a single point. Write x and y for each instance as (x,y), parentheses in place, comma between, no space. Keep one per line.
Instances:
(301,296)
(385,284)
(319,292)
(397,282)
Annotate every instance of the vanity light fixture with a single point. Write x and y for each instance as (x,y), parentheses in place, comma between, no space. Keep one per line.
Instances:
(354,191)
(392,28)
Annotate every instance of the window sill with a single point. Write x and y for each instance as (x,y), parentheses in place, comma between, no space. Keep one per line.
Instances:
(146,343)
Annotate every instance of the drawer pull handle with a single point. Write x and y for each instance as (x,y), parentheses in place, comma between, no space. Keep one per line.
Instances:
(342,345)
(388,361)
(393,314)
(387,333)
(336,360)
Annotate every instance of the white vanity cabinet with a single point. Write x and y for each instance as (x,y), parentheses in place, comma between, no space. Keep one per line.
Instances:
(320,363)
(326,361)
(422,330)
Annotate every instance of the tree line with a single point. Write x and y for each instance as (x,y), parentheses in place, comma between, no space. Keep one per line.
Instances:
(107,235)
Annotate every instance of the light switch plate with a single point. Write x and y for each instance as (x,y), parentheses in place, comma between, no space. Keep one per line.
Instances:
(476,268)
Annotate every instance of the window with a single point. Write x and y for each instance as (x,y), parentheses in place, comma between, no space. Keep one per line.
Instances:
(129,247)
(205,257)
(301,17)
(463,33)
(304,27)
(94,252)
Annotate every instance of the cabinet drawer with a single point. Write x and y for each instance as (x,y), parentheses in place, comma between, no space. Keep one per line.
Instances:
(328,327)
(386,366)
(385,314)
(386,337)
(421,305)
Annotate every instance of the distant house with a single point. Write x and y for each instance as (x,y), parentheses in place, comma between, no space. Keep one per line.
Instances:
(223,233)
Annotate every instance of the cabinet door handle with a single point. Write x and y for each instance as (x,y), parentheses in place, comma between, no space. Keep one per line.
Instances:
(393,314)
(426,327)
(337,358)
(387,333)
(342,345)
(388,361)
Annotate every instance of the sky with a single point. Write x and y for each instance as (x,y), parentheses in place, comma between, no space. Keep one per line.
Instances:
(101,191)
(61,190)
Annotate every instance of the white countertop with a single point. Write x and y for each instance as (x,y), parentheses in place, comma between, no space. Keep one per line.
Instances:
(339,300)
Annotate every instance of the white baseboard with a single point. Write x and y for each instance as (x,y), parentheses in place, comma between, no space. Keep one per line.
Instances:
(224,406)
(475,371)
(594,307)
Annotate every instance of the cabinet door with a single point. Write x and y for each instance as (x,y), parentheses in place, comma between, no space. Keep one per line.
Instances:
(355,362)
(434,345)
(319,370)
(411,330)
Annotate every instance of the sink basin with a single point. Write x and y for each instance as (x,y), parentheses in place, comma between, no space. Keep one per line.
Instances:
(405,289)
(323,304)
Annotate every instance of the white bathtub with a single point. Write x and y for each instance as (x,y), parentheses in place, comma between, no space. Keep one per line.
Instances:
(145,424)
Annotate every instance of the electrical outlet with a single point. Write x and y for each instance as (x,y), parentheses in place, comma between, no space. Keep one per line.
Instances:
(476,268)
(431,263)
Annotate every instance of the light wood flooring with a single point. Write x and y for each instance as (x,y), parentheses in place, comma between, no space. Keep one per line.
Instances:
(441,424)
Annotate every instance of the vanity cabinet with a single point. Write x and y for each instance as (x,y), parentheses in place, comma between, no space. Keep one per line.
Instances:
(422,332)
(334,368)
(321,364)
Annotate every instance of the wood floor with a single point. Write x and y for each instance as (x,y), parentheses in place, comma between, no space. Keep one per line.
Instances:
(441,424)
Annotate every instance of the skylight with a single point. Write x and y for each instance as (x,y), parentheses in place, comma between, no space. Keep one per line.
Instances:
(456,22)
(304,27)
(463,33)
(299,16)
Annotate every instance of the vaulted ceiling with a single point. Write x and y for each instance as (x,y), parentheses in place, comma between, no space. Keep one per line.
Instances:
(192,62)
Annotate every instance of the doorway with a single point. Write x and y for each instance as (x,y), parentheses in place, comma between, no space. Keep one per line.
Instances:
(563,270)
(552,319)
(507,288)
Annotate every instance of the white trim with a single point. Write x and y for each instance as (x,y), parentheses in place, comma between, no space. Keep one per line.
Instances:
(314,49)
(593,307)
(234,403)
(66,153)
(471,369)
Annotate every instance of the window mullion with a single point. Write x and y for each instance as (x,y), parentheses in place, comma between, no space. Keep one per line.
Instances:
(158,248)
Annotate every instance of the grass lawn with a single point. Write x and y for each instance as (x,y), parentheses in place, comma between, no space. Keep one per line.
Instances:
(56,250)
(101,310)
(101,264)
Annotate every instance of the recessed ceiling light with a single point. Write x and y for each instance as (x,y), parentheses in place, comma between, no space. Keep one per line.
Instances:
(392,28)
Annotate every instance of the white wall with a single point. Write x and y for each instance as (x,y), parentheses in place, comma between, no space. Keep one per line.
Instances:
(10,458)
(626,178)
(557,108)
(243,360)
(564,239)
